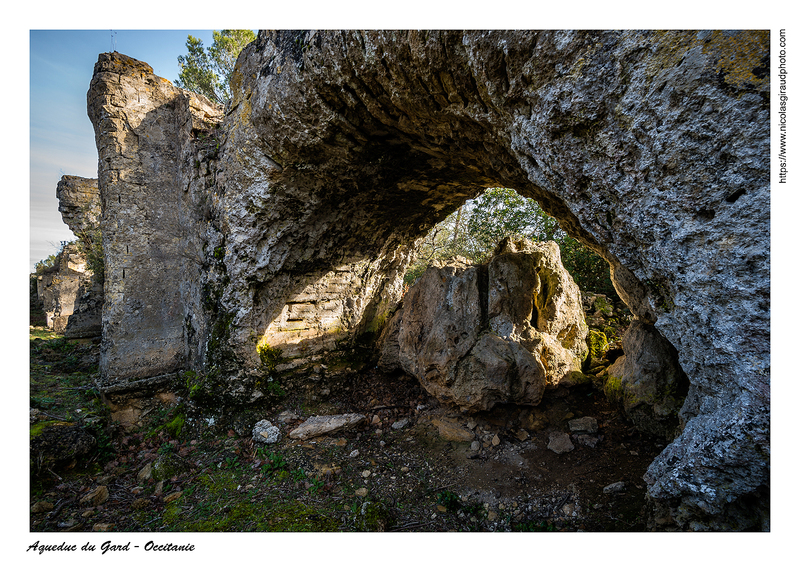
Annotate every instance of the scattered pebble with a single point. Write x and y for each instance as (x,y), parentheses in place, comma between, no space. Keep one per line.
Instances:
(587,440)
(320,425)
(615,488)
(42,507)
(96,497)
(354,453)
(265,432)
(361,492)
(560,443)
(585,424)
(145,473)
(286,416)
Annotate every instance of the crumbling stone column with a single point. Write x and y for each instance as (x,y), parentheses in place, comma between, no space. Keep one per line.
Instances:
(143,125)
(79,204)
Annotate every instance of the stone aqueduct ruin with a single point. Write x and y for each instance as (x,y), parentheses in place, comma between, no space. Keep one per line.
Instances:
(286,222)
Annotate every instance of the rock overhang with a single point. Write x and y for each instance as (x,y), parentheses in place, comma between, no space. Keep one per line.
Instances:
(341,148)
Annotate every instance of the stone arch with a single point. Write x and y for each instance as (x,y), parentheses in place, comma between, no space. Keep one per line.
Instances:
(635,141)
(341,148)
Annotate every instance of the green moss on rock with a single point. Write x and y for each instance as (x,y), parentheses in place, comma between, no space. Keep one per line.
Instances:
(373,516)
(612,388)
(597,342)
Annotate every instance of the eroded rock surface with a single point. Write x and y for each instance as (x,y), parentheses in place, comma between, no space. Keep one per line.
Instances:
(79,203)
(648,381)
(341,148)
(60,286)
(322,425)
(80,207)
(477,336)
(153,142)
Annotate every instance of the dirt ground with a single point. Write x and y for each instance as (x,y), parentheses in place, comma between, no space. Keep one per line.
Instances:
(183,470)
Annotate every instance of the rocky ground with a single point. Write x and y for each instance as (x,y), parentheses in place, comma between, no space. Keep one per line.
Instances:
(412,464)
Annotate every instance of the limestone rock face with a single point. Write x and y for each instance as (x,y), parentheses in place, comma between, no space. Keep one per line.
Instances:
(80,207)
(79,203)
(648,381)
(477,336)
(342,148)
(60,286)
(151,139)
(86,320)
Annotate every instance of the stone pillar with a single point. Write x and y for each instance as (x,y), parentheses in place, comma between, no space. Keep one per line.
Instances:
(141,180)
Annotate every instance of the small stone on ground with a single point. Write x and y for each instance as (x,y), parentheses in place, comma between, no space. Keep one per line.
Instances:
(615,488)
(265,432)
(560,443)
(583,425)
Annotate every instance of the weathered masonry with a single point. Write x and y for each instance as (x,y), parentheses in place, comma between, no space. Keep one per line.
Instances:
(282,229)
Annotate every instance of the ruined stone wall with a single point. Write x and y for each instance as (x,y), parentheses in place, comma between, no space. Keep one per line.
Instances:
(141,123)
(79,203)
(341,149)
(80,207)
(59,286)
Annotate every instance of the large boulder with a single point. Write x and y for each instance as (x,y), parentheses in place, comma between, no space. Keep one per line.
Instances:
(477,336)
(648,381)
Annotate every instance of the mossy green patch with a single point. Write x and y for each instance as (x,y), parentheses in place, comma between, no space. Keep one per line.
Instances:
(219,503)
(602,306)
(597,342)
(167,466)
(175,427)
(373,516)
(44,334)
(270,357)
(296,516)
(38,428)
(612,388)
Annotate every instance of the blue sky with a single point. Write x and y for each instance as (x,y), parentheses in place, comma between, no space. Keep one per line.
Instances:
(61,135)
